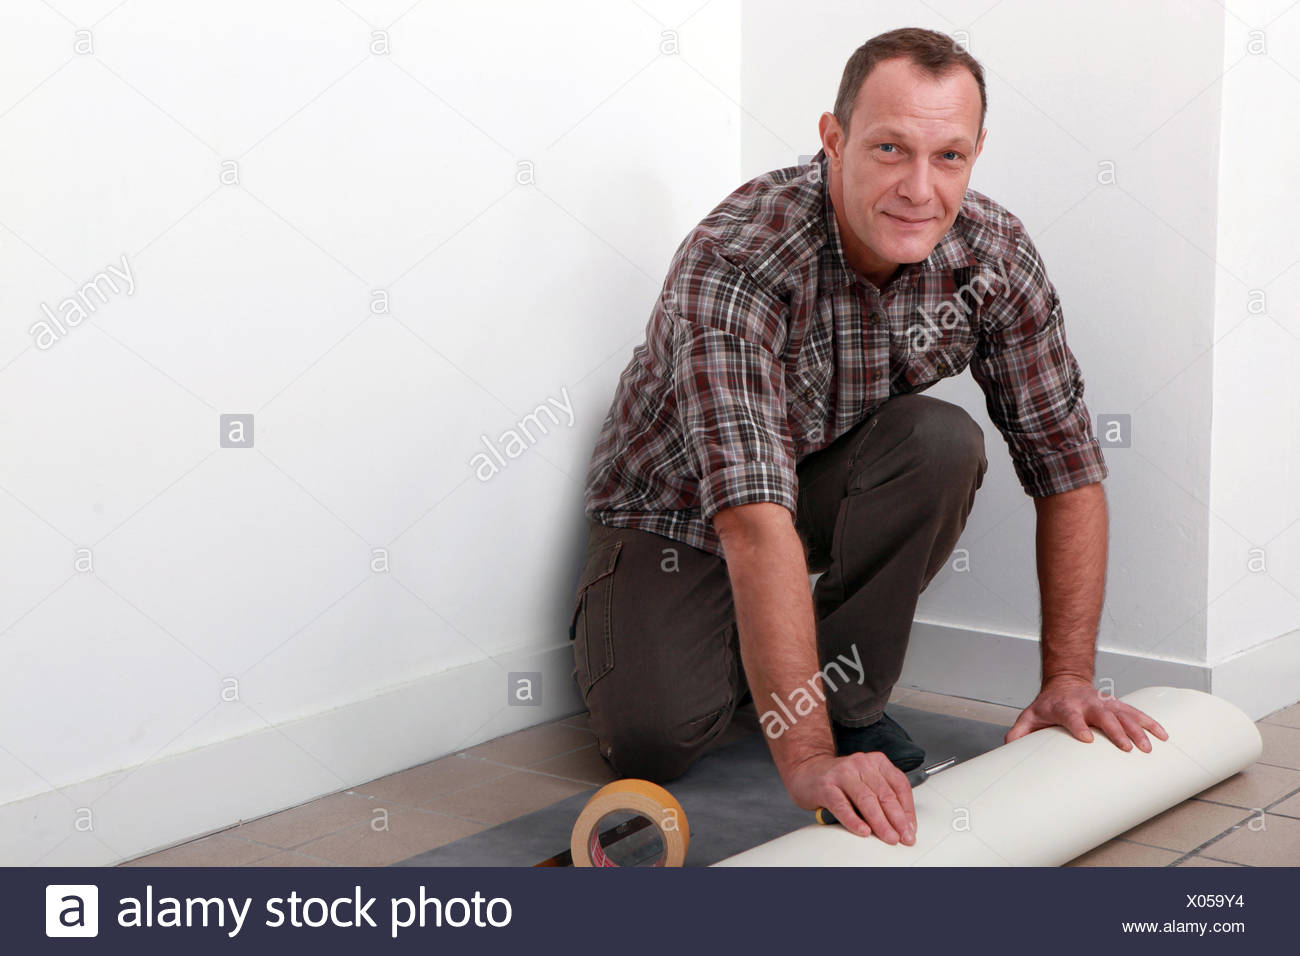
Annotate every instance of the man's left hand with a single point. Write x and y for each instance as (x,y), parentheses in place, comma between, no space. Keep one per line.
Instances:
(1073,703)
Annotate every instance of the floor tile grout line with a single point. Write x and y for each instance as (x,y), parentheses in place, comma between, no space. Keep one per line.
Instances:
(359,825)
(1133,842)
(1236,806)
(540,773)
(504,767)
(1210,842)
(1275,800)
(297,848)
(1156,846)
(1279,765)
(200,862)
(281,849)
(1281,799)
(1250,813)
(566,753)
(403,806)
(352,793)
(488,743)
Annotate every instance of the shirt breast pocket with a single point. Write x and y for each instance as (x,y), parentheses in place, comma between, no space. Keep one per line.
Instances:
(808,405)
(936,352)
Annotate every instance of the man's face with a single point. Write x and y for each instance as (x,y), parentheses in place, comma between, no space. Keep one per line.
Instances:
(898,180)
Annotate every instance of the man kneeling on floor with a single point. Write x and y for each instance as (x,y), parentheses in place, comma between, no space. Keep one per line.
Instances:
(772,424)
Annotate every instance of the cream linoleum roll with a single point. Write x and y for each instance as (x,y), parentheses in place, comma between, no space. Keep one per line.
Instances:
(1046,798)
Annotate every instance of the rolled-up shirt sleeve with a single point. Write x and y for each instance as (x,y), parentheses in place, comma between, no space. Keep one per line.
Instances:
(1032,384)
(729,388)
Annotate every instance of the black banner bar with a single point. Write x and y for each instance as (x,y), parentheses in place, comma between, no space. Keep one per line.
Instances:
(349,910)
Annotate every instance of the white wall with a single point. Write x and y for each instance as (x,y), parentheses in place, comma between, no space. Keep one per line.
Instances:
(1254,582)
(360,173)
(1138,266)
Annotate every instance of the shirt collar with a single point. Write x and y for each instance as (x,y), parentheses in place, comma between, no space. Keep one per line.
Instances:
(950,253)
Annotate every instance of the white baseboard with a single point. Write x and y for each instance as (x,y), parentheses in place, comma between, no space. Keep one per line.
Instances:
(1263,678)
(185,796)
(1004,669)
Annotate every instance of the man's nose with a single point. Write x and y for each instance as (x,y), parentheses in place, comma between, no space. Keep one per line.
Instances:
(916,184)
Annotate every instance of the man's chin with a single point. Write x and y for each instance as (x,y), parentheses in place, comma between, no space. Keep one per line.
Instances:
(914,251)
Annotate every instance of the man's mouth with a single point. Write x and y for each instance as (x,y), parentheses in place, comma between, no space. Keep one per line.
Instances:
(903,220)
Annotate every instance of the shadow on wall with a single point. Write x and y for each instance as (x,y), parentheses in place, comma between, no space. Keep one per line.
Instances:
(646,203)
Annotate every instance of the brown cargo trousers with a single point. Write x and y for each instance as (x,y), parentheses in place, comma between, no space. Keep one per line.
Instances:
(880,509)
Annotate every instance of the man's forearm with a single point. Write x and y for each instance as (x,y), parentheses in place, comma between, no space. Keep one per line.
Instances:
(1071,555)
(776,624)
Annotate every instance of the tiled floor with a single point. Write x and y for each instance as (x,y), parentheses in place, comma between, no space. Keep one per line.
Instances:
(1252,819)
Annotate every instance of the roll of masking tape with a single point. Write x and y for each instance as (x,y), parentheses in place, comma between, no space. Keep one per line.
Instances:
(630,823)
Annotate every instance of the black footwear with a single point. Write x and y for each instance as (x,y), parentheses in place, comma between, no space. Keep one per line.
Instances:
(884,735)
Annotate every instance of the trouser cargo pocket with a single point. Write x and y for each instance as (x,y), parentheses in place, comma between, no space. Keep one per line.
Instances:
(591,627)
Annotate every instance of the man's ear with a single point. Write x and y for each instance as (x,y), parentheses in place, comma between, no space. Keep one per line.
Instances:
(979,147)
(832,137)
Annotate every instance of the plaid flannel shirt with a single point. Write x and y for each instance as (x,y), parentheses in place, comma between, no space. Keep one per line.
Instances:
(764,346)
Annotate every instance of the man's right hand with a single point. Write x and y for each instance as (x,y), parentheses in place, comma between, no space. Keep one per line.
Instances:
(865,791)
(778,648)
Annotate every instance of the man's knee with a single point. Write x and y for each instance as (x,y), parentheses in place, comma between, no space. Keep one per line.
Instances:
(948,438)
(656,750)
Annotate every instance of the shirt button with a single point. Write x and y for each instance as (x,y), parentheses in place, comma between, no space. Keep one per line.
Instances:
(875,375)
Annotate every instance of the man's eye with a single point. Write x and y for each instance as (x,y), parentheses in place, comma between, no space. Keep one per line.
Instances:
(889,146)
(953,153)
